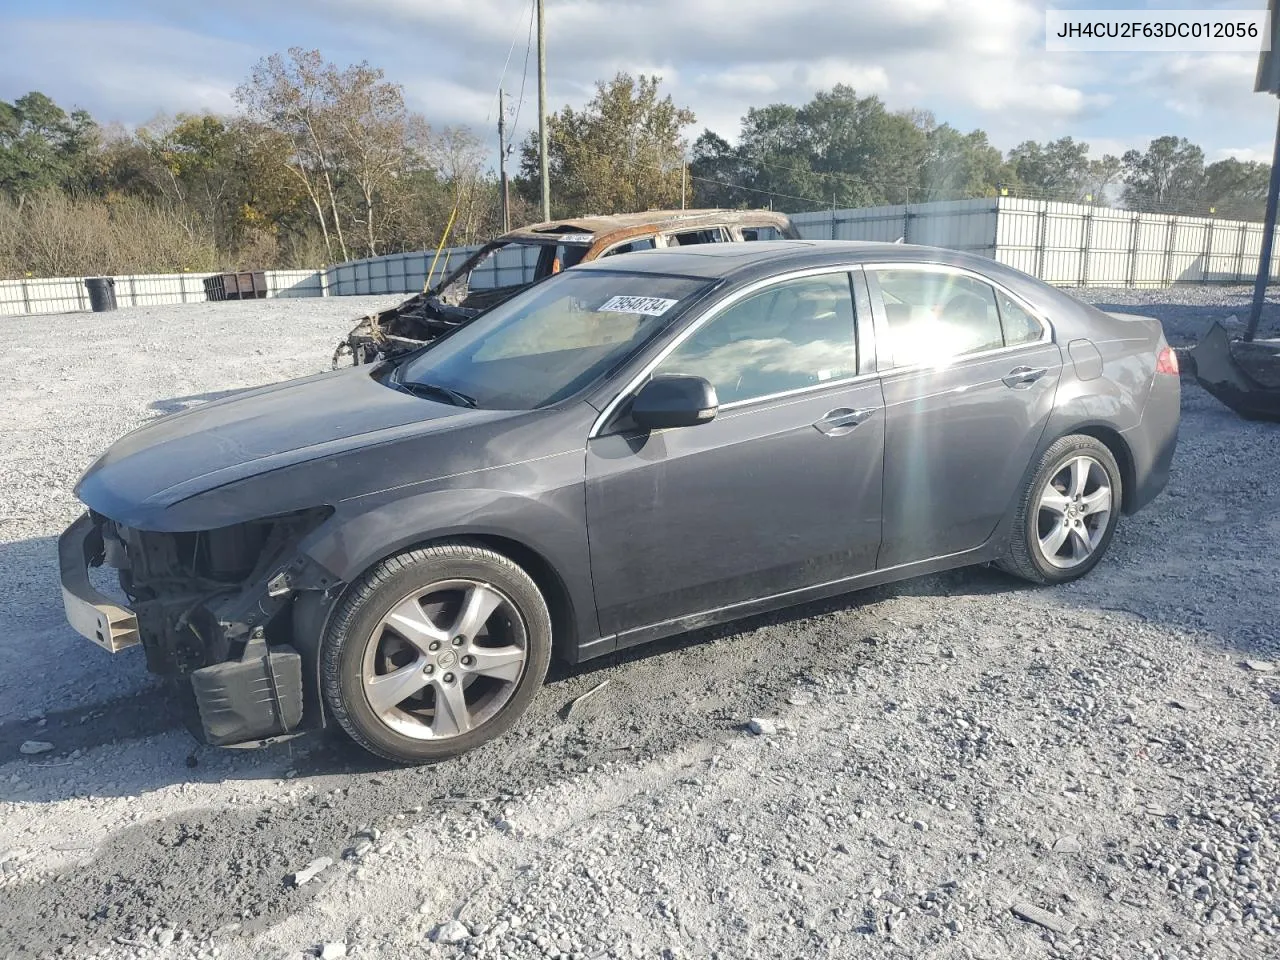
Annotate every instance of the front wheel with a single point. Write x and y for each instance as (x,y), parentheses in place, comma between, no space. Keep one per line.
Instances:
(435,651)
(1067,514)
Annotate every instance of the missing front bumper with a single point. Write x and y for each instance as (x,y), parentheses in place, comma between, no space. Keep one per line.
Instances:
(91,614)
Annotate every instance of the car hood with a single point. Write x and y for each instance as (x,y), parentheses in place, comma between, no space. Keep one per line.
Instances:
(256,431)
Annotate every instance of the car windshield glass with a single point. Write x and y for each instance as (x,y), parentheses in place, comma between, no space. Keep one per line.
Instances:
(550,341)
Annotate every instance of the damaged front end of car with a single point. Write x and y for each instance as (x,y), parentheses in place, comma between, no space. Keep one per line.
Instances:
(217,610)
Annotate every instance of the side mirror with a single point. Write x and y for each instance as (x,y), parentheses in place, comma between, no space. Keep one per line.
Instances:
(674,401)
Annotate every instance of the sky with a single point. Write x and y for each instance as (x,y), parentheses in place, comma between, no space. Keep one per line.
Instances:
(974,63)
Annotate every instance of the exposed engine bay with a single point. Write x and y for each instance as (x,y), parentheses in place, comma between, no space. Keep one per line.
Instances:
(447,306)
(218,607)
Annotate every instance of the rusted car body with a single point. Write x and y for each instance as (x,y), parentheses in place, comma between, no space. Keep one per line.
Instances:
(560,244)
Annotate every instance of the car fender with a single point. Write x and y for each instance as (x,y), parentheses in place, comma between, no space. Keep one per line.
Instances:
(550,525)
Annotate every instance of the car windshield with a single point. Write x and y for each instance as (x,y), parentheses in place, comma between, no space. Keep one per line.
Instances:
(550,341)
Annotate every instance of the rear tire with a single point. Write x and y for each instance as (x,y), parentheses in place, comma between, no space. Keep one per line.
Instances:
(1067,514)
(435,651)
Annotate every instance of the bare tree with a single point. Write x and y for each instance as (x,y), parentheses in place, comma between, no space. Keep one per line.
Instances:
(461,162)
(378,139)
(294,95)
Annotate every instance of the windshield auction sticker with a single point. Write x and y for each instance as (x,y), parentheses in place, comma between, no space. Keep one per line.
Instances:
(650,306)
(1154,31)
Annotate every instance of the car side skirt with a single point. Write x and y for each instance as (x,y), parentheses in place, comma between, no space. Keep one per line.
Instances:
(641,635)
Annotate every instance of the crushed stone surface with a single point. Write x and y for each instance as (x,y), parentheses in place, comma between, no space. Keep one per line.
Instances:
(955,766)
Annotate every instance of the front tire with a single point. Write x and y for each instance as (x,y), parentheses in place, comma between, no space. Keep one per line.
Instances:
(1067,514)
(435,651)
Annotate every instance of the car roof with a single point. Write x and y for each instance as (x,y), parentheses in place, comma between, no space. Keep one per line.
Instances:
(739,261)
(657,220)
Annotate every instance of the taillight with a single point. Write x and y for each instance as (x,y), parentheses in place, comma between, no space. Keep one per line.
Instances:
(1167,361)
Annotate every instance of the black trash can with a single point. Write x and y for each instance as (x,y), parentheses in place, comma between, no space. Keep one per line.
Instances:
(102,293)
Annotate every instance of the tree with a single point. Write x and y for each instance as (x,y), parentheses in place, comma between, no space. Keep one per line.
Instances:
(1058,170)
(293,96)
(1104,173)
(715,171)
(192,166)
(1237,189)
(1168,176)
(378,139)
(42,147)
(622,152)
(958,165)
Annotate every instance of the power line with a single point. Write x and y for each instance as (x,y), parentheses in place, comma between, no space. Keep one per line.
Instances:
(503,76)
(528,48)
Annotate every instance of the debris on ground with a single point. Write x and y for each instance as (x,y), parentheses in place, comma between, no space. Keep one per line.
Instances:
(310,871)
(1043,918)
(454,931)
(762,727)
(31,748)
(579,705)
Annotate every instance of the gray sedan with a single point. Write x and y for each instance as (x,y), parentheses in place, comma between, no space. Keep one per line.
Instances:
(630,449)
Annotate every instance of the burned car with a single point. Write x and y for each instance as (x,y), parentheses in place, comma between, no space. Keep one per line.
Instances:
(559,244)
(640,446)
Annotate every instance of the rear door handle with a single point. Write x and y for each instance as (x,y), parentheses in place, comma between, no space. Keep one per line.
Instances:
(1020,377)
(842,420)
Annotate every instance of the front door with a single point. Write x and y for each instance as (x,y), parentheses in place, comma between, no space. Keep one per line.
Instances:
(969,378)
(779,492)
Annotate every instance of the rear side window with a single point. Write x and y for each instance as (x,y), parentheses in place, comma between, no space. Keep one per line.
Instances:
(935,316)
(690,237)
(1019,326)
(644,243)
(562,256)
(796,334)
(760,233)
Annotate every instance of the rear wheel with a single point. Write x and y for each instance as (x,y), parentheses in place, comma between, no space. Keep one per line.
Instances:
(435,651)
(1067,514)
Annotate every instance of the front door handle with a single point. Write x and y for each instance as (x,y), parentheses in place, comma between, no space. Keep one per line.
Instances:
(1021,377)
(842,420)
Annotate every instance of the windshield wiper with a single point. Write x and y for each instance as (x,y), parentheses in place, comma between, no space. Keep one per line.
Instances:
(433,391)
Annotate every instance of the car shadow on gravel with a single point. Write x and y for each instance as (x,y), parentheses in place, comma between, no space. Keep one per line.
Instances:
(738,643)
(178,404)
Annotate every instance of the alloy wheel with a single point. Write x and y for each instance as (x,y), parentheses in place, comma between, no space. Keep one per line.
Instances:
(1073,512)
(444,659)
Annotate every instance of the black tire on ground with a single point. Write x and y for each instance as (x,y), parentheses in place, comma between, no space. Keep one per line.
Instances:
(1024,558)
(370,598)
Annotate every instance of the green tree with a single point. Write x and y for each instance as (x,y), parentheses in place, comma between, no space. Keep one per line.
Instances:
(1168,176)
(1104,173)
(715,171)
(41,146)
(624,151)
(958,165)
(1058,170)
(1237,189)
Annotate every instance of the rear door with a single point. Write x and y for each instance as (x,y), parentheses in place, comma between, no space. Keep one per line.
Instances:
(969,375)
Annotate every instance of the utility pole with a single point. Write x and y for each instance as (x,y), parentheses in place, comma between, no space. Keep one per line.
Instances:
(542,111)
(684,181)
(502,161)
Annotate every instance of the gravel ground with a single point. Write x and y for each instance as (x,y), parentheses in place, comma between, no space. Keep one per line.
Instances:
(958,766)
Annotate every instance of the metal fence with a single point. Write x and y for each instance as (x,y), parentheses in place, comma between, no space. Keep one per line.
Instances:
(1068,244)
(407,272)
(68,294)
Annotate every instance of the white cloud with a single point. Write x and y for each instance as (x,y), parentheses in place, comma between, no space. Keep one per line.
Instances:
(1260,154)
(972,62)
(121,69)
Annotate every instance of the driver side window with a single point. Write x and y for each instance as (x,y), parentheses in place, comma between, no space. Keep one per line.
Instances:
(796,334)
